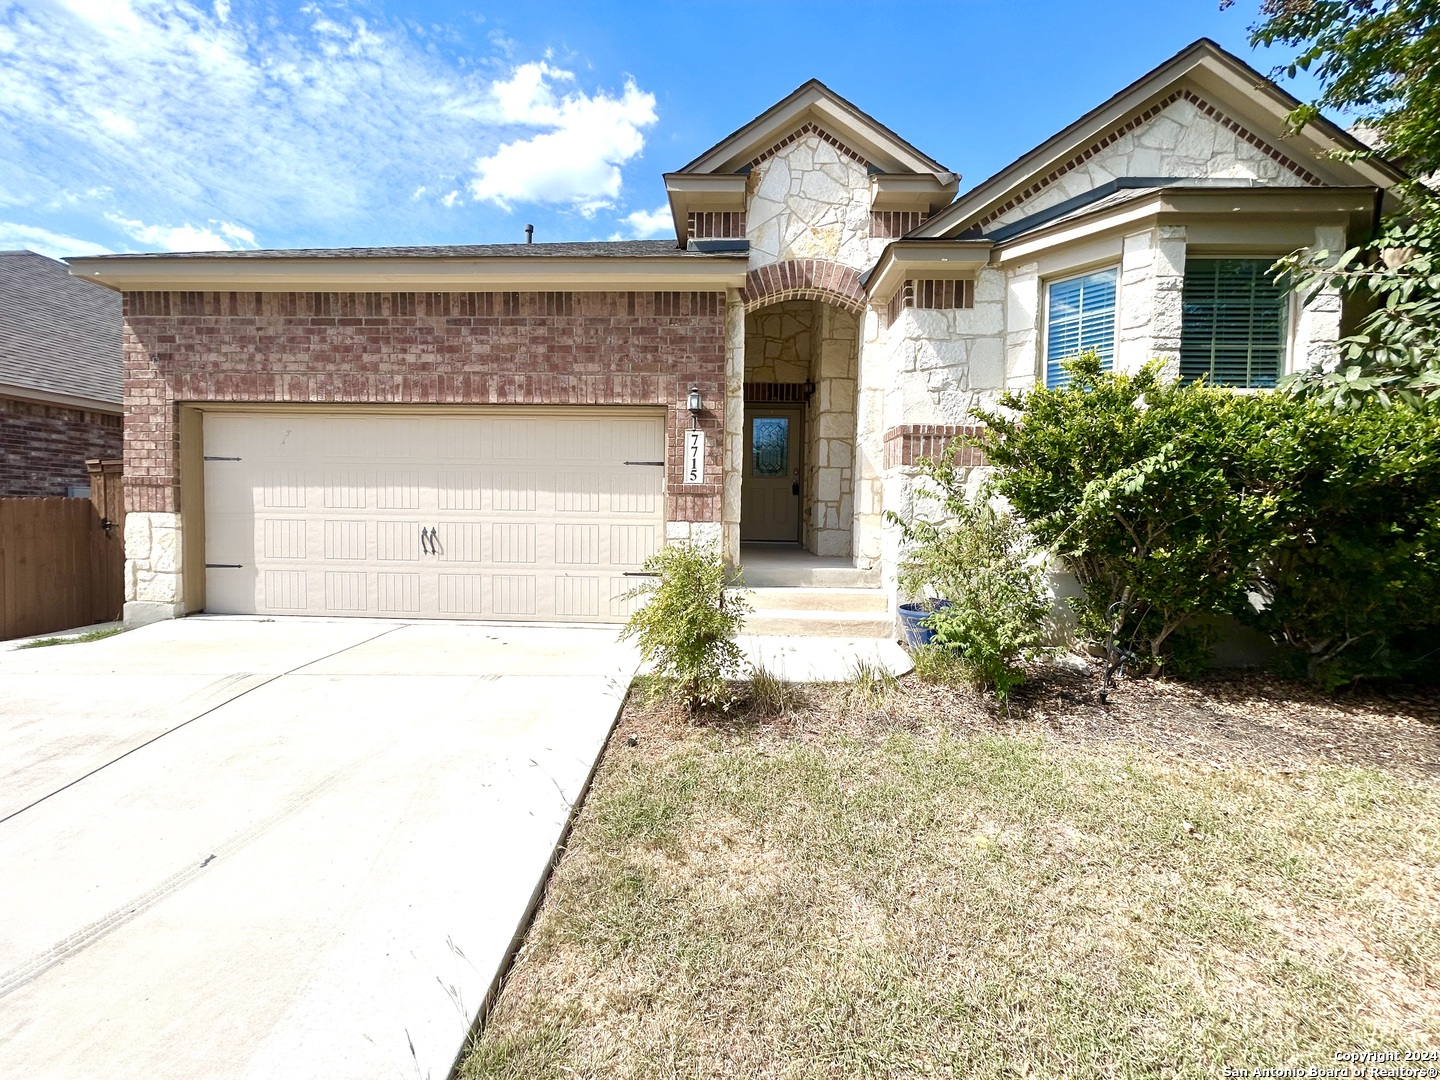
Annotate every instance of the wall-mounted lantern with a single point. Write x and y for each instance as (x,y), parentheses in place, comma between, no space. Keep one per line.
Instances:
(695,405)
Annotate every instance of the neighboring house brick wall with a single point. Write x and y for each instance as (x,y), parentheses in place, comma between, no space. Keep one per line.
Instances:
(43,448)
(624,348)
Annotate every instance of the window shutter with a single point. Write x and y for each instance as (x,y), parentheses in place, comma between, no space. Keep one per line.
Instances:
(1233,327)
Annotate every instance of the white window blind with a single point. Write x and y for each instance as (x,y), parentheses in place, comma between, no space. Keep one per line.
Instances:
(1233,328)
(1081,318)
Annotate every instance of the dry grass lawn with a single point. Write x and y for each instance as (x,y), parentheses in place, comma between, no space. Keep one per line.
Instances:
(897,881)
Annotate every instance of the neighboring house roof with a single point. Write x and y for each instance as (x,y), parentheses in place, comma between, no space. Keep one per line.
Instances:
(1217,77)
(59,335)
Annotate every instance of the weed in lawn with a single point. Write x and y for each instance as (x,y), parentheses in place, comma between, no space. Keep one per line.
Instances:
(771,694)
(937,664)
(870,684)
(92,635)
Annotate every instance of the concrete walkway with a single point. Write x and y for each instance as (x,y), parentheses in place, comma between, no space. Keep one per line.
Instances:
(293,848)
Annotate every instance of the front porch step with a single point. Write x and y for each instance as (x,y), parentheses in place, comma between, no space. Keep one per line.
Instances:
(819,612)
(836,624)
(804,575)
(775,598)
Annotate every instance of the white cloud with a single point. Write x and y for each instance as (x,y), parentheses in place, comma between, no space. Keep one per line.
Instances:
(193,112)
(646,224)
(218,236)
(575,157)
(14,237)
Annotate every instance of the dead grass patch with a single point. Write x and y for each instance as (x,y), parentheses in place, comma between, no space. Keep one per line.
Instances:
(909,884)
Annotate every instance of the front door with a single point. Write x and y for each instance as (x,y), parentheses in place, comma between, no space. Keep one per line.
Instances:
(770,488)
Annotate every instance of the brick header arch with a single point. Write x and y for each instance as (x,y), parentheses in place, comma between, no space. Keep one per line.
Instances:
(804,279)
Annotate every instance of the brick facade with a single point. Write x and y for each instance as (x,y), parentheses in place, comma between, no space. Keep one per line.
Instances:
(43,448)
(508,348)
(908,443)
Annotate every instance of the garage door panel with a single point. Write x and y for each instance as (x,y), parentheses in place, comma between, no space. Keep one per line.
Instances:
(523,517)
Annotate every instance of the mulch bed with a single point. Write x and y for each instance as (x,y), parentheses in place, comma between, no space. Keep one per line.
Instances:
(1227,718)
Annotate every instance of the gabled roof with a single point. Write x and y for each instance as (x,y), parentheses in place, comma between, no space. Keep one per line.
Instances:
(883,150)
(59,336)
(1208,72)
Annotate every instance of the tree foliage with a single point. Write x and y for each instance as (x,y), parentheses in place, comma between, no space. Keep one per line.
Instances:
(687,624)
(1379,59)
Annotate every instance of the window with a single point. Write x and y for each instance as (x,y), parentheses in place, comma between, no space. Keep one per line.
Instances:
(1080,317)
(1233,329)
(770,449)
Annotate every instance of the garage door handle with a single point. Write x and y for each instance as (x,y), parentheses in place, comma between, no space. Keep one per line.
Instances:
(424,541)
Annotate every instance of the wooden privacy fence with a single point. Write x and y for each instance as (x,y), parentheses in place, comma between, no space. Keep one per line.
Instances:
(60,566)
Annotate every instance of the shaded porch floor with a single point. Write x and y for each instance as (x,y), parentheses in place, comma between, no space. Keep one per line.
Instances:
(779,565)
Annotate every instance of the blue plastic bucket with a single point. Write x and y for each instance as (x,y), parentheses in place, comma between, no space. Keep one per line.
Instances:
(911,615)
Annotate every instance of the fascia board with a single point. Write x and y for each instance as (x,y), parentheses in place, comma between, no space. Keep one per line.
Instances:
(69,401)
(1232,204)
(905,191)
(406,275)
(863,134)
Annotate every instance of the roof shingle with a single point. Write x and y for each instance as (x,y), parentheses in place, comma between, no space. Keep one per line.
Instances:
(58,334)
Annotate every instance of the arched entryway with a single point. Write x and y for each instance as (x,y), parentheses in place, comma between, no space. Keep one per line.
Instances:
(798,477)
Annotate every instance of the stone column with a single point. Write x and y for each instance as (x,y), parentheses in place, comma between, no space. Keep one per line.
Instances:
(733,457)
(1022,326)
(154,558)
(1317,322)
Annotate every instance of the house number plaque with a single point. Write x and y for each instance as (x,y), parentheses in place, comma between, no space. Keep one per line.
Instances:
(694,457)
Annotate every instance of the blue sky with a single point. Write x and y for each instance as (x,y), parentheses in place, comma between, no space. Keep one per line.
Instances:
(152,125)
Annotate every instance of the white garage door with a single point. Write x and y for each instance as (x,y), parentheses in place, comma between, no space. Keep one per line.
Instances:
(527,516)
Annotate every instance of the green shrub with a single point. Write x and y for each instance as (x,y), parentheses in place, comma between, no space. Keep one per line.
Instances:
(983,561)
(1171,502)
(1140,484)
(1351,588)
(687,625)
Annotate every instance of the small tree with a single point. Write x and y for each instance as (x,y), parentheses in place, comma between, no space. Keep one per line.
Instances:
(687,624)
(984,562)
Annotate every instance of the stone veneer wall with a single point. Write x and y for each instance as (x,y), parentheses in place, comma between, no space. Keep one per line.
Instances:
(780,342)
(942,363)
(1184,138)
(43,447)
(830,436)
(624,348)
(810,200)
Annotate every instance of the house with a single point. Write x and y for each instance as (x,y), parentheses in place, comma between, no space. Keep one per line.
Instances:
(60,380)
(507,432)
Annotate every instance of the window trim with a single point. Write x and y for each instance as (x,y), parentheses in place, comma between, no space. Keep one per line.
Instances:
(1043,351)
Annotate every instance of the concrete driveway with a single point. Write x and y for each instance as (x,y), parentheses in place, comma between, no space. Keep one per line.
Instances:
(289,848)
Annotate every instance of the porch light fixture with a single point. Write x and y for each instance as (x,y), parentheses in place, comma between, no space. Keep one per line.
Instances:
(695,405)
